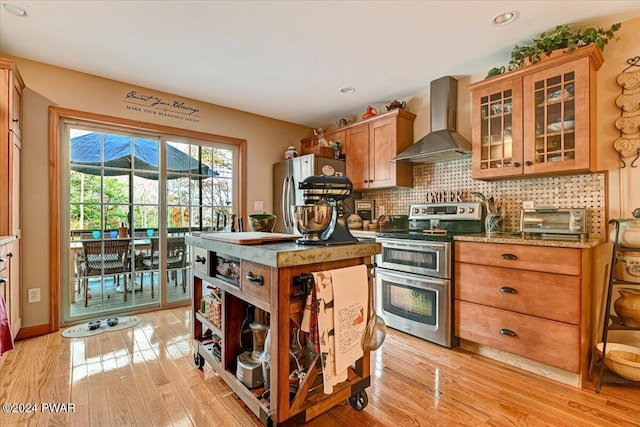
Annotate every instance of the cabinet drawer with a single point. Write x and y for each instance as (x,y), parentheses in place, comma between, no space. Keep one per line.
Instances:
(553,343)
(552,296)
(255,280)
(201,261)
(535,258)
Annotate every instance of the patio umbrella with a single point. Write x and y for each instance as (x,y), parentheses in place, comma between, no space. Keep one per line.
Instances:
(121,152)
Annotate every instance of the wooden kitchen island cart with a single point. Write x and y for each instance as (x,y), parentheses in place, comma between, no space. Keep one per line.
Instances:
(229,280)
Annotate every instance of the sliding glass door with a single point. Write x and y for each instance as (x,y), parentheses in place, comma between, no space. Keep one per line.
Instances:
(131,200)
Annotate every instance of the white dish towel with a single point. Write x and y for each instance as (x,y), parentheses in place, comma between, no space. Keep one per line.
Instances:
(343,296)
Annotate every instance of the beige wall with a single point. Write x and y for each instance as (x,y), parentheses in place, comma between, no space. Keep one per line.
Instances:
(624,183)
(267,139)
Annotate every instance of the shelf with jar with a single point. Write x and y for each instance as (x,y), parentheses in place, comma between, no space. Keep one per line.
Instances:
(621,361)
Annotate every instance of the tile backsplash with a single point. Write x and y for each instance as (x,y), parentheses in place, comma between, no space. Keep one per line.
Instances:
(570,191)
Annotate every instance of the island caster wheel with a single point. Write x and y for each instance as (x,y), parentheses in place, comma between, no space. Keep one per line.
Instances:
(198,360)
(359,400)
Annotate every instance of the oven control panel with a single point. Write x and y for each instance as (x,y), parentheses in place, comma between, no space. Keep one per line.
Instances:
(448,211)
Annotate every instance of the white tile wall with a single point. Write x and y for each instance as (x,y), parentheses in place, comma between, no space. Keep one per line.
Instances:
(571,191)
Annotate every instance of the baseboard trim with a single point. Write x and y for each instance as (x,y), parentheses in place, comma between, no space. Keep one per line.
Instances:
(551,372)
(33,331)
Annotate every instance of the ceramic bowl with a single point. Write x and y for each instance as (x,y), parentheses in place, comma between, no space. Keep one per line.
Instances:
(112,321)
(262,222)
(628,266)
(94,324)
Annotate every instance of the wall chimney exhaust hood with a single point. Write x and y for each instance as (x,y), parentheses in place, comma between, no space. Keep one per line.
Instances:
(443,142)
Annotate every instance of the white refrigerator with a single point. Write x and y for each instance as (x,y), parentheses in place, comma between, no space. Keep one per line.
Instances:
(287,174)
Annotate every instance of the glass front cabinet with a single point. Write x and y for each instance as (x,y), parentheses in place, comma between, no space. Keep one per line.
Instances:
(537,120)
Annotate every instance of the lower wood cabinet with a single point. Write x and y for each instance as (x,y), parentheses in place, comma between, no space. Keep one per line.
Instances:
(531,301)
(547,341)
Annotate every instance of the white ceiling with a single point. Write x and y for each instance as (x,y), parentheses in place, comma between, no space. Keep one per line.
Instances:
(287,59)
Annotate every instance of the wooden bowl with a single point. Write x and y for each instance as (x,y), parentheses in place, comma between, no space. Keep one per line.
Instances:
(622,359)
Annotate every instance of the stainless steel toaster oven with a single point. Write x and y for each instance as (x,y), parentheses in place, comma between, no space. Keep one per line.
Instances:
(555,222)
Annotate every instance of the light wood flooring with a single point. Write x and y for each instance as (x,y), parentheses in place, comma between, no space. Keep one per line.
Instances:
(145,376)
(105,299)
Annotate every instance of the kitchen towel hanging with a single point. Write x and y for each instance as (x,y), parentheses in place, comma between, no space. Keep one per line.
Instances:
(6,338)
(341,305)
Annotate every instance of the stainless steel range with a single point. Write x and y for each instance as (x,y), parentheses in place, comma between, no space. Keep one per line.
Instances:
(414,274)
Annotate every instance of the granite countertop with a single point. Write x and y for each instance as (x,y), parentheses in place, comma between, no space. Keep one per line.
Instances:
(7,239)
(288,253)
(520,239)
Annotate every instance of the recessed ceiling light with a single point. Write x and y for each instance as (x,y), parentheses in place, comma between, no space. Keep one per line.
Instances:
(347,89)
(504,18)
(14,10)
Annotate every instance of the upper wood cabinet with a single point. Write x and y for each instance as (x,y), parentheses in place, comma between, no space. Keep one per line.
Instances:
(372,143)
(11,86)
(537,120)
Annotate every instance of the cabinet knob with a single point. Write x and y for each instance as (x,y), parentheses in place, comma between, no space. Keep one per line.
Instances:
(508,290)
(10,254)
(516,164)
(3,259)
(509,332)
(201,259)
(528,163)
(259,280)
(3,279)
(16,120)
(508,256)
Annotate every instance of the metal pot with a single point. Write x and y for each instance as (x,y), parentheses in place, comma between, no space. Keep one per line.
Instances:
(396,104)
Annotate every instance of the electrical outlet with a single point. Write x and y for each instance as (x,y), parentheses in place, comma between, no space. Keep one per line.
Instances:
(33,295)
(381,210)
(528,204)
(258,205)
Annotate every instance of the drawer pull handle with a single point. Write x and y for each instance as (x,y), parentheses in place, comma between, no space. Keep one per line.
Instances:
(3,279)
(201,259)
(259,280)
(509,256)
(505,331)
(508,290)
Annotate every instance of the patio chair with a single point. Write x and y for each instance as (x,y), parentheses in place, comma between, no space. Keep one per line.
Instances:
(113,258)
(176,259)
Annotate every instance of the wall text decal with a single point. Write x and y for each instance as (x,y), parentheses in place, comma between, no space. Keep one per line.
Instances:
(157,106)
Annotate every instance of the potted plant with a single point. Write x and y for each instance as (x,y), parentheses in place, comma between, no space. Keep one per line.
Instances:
(560,40)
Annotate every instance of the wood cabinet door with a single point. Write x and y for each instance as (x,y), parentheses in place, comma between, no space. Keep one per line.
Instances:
(357,156)
(382,148)
(497,130)
(557,118)
(15,165)
(15,122)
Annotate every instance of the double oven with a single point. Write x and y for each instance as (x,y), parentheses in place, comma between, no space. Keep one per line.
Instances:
(414,274)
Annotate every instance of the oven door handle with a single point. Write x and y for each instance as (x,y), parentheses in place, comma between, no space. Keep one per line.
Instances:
(413,245)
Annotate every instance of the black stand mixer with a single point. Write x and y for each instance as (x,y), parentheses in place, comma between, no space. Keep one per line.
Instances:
(321,220)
